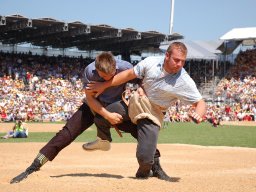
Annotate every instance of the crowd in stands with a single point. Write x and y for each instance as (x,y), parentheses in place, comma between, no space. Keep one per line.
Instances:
(40,88)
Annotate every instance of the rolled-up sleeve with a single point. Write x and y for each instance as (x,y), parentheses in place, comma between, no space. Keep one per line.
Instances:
(85,79)
(139,69)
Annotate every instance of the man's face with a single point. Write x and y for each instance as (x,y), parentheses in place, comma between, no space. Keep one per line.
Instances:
(106,76)
(174,61)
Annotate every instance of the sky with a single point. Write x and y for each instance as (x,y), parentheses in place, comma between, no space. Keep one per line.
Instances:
(194,19)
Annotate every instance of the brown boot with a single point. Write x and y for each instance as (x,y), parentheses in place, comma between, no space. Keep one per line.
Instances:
(143,171)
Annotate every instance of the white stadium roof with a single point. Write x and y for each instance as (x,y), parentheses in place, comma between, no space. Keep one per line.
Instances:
(246,35)
(235,37)
(240,34)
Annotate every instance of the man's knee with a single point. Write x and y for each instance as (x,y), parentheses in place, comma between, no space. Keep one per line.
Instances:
(64,136)
(144,158)
(119,107)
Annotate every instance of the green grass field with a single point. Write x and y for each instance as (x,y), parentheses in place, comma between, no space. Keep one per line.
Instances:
(182,133)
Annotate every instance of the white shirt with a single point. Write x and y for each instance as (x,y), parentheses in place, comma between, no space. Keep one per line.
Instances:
(163,89)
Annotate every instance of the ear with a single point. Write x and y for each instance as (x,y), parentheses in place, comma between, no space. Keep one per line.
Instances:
(167,55)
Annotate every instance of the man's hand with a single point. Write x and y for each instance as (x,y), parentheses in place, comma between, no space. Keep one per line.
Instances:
(95,87)
(195,117)
(114,118)
(141,92)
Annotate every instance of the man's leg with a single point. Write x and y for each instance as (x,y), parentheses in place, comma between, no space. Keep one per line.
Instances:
(147,152)
(103,127)
(117,107)
(80,121)
(157,169)
(104,136)
(103,139)
(146,148)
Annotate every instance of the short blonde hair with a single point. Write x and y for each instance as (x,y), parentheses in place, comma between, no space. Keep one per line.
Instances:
(177,45)
(105,62)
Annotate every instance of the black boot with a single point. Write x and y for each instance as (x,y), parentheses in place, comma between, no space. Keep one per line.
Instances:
(35,166)
(143,171)
(158,171)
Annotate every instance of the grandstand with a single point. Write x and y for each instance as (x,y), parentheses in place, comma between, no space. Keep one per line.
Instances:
(51,33)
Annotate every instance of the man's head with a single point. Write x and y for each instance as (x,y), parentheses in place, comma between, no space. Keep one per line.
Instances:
(105,65)
(175,57)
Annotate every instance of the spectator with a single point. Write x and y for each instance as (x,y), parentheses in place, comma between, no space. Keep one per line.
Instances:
(19,131)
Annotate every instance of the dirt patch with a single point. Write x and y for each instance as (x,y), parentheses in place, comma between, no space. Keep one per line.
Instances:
(239,123)
(34,127)
(193,168)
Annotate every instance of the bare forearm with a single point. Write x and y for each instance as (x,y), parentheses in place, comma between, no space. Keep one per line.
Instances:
(112,117)
(200,108)
(121,78)
(96,106)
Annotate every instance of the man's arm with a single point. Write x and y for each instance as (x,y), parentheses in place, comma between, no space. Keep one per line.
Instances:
(200,110)
(200,107)
(122,77)
(96,106)
(118,79)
